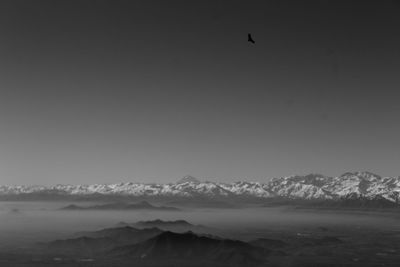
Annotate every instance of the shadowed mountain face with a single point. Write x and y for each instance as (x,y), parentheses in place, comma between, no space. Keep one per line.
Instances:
(144,205)
(123,235)
(297,246)
(154,246)
(354,200)
(162,224)
(175,226)
(350,201)
(191,247)
(178,226)
(91,243)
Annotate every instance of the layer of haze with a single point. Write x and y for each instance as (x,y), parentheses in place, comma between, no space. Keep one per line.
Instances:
(43,221)
(111,91)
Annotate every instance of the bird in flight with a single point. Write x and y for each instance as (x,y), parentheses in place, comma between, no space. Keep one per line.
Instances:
(250,39)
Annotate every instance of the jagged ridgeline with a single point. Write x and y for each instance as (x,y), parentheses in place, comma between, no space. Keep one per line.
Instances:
(149,243)
(349,187)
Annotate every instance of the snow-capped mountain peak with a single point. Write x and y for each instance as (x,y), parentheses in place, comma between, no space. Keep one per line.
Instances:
(188,179)
(362,175)
(312,186)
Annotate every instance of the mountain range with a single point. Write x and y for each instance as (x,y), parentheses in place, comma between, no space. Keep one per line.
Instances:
(177,226)
(351,185)
(93,242)
(151,245)
(143,205)
(189,247)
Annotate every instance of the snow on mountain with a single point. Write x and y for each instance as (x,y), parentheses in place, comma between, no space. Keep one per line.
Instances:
(364,184)
(308,186)
(188,178)
(247,189)
(312,186)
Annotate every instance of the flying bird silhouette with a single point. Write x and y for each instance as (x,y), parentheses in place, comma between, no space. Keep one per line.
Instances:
(250,39)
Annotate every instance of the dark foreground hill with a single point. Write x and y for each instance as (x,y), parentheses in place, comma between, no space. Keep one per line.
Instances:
(123,235)
(163,224)
(152,247)
(92,243)
(177,226)
(296,246)
(189,247)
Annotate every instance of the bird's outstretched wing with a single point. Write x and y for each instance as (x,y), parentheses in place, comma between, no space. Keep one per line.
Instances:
(250,39)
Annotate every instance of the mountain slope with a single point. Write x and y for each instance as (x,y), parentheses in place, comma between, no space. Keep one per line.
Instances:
(177,226)
(94,242)
(312,186)
(190,247)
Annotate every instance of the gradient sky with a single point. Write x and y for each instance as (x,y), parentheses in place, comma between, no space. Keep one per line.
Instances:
(149,91)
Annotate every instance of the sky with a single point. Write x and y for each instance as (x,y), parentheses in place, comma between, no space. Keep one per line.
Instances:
(150,91)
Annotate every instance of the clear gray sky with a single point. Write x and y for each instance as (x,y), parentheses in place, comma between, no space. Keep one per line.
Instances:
(111,91)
